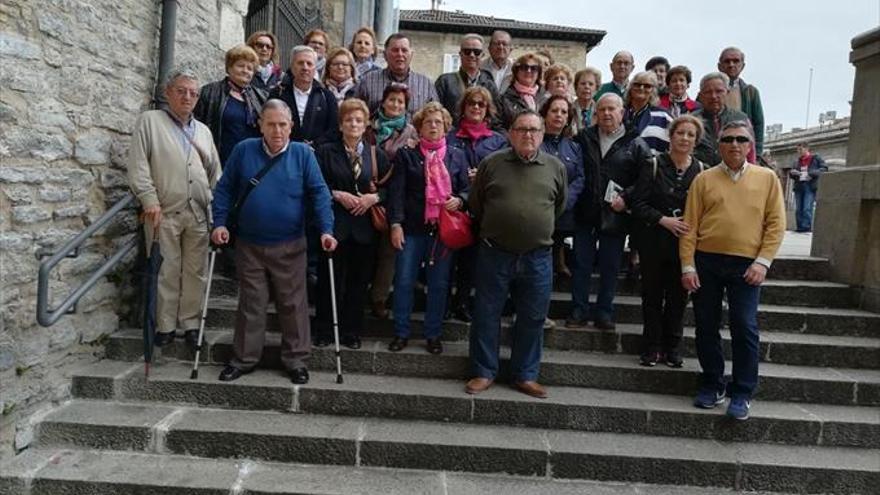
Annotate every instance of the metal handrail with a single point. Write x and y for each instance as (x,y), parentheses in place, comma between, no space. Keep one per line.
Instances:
(46,316)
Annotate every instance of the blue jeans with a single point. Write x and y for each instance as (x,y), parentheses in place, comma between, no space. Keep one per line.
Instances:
(531,278)
(610,254)
(719,273)
(438,262)
(804,198)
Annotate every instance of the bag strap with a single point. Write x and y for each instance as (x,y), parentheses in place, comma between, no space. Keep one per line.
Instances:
(203,156)
(251,184)
(376,180)
(654,159)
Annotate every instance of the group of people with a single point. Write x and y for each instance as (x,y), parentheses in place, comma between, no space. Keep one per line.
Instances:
(334,155)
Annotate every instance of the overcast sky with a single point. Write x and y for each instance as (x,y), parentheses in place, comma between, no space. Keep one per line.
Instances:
(782,40)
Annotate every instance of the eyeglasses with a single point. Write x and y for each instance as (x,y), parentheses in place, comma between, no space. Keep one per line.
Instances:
(528,130)
(529,68)
(181,92)
(261,46)
(474,52)
(641,85)
(738,139)
(337,65)
(731,61)
(478,104)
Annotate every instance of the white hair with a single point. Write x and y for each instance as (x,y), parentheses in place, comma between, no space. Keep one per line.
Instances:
(276,104)
(300,49)
(611,96)
(713,76)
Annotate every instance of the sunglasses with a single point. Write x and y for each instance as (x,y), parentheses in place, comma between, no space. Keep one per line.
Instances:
(267,46)
(478,104)
(529,68)
(738,139)
(474,52)
(640,85)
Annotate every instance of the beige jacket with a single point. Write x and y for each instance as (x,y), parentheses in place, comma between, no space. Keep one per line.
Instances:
(159,172)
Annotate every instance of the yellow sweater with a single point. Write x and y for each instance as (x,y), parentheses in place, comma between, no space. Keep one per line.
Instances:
(744,218)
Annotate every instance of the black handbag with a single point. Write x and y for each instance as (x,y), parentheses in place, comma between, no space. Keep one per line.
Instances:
(613,223)
(232,218)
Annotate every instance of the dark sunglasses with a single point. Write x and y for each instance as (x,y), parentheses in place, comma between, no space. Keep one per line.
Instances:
(641,85)
(478,104)
(475,52)
(264,45)
(738,139)
(529,68)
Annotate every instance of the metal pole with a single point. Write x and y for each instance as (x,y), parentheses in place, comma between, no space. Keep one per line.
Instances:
(809,94)
(167,34)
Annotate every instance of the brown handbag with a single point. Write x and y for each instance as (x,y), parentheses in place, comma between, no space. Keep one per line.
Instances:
(377,212)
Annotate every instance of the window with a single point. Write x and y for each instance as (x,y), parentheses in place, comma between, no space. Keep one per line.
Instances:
(451,62)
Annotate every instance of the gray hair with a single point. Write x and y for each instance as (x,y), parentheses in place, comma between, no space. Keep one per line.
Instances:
(500,32)
(737,124)
(472,36)
(611,96)
(650,75)
(179,73)
(732,49)
(300,49)
(712,76)
(276,104)
(623,53)
(525,113)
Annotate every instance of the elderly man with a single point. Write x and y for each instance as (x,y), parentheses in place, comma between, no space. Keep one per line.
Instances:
(451,86)
(499,63)
(742,95)
(612,158)
(621,66)
(516,197)
(715,114)
(314,107)
(172,167)
(269,225)
(737,220)
(398,55)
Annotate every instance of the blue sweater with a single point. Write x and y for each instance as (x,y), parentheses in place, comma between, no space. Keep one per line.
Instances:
(275,210)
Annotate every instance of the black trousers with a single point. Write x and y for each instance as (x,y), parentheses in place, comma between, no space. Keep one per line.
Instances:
(465,263)
(663,297)
(353,269)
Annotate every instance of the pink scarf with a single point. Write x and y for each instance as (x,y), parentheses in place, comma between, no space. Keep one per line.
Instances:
(438,186)
(527,94)
(472,131)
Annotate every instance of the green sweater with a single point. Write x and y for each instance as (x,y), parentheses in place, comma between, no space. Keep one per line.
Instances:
(517,202)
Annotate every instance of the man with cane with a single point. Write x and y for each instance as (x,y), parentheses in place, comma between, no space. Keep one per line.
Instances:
(261,202)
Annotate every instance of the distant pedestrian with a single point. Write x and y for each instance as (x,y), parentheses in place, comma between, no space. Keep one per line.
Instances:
(805,173)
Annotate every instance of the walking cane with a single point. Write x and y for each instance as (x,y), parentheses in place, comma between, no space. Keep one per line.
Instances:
(211,258)
(335,319)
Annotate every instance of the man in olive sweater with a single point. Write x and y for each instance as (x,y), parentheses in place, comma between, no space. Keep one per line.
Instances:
(737,220)
(516,197)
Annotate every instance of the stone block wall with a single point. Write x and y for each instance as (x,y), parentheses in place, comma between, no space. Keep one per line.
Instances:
(74,75)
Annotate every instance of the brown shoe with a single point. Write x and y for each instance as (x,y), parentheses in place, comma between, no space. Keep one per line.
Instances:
(477,385)
(532,388)
(379,310)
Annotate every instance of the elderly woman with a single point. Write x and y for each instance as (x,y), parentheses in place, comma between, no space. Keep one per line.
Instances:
(268,72)
(557,112)
(318,41)
(557,81)
(658,202)
(642,114)
(676,101)
(476,140)
(230,107)
(426,179)
(390,131)
(365,50)
(340,74)
(524,92)
(586,83)
(351,174)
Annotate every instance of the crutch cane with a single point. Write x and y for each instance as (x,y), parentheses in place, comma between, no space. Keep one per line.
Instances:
(211,258)
(335,318)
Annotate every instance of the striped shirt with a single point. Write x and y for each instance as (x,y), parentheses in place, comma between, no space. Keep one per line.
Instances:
(372,85)
(650,122)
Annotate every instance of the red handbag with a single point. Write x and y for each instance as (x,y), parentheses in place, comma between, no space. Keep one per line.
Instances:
(455,229)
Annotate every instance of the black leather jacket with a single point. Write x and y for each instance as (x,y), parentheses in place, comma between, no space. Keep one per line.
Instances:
(212,102)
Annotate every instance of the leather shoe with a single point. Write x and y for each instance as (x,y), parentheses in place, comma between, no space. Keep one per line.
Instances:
(351,341)
(299,376)
(605,325)
(321,341)
(462,313)
(477,385)
(191,337)
(434,346)
(532,388)
(379,310)
(231,373)
(163,339)
(397,344)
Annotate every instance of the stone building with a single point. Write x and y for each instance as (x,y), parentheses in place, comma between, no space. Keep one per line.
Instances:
(436,35)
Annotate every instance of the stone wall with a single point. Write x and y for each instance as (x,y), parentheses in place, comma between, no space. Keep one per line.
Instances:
(75,75)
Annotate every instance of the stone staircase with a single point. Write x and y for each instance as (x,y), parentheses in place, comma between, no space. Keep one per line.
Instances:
(401,422)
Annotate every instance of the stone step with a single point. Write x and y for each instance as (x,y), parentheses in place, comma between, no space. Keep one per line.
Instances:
(544,453)
(573,408)
(791,319)
(73,471)
(841,386)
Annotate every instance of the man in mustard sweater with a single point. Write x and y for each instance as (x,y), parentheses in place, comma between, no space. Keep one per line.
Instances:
(737,220)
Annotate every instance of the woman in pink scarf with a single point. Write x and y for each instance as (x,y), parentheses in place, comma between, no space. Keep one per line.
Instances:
(525,91)
(427,179)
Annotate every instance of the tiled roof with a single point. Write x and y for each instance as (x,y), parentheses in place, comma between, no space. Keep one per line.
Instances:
(461,22)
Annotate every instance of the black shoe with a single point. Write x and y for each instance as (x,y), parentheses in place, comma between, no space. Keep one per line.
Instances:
(397,344)
(231,373)
(650,359)
(163,339)
(576,321)
(605,324)
(351,341)
(321,341)
(434,346)
(191,337)
(674,360)
(462,313)
(299,376)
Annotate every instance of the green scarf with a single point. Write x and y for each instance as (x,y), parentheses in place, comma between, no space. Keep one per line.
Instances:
(385,126)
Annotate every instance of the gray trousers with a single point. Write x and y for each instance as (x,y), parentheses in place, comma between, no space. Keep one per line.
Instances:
(284,266)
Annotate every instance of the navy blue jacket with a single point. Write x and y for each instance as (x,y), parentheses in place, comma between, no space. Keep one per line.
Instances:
(815,169)
(321,121)
(406,195)
(569,153)
(475,152)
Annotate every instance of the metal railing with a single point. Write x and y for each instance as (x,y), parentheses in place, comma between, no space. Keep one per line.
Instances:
(47,316)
